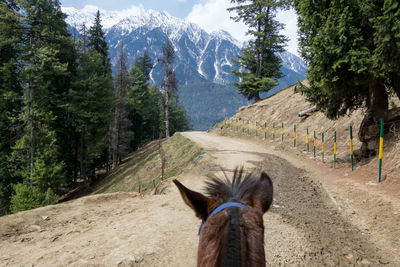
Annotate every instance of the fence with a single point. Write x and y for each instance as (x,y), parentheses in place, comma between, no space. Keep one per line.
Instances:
(249,128)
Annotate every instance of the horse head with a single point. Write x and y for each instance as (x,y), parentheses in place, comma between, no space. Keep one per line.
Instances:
(232,229)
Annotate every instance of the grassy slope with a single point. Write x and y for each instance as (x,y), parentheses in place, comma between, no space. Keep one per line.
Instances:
(143,167)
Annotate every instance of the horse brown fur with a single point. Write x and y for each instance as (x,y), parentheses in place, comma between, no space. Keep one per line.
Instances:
(255,194)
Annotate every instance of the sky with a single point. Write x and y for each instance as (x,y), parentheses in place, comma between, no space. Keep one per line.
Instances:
(210,15)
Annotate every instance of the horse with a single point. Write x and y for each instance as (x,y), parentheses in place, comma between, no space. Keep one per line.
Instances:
(232,229)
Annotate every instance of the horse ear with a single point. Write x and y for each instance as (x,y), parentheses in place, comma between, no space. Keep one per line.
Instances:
(263,194)
(197,201)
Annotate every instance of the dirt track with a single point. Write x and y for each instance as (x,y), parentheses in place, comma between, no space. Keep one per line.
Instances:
(305,227)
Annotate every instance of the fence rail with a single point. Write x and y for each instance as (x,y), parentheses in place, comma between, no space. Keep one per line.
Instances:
(250,128)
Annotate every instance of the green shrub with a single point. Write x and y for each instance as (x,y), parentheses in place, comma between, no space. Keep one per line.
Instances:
(26,198)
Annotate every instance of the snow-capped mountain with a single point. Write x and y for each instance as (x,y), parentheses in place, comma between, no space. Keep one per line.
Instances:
(199,55)
(202,60)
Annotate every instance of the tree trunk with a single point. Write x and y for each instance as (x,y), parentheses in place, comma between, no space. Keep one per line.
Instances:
(166,110)
(114,138)
(31,118)
(378,105)
(257,97)
(32,132)
(395,82)
(82,162)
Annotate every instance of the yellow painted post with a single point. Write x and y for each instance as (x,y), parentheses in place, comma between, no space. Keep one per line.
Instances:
(308,142)
(334,151)
(380,152)
(323,147)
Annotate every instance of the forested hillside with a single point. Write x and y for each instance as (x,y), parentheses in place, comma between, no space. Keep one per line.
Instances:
(63,117)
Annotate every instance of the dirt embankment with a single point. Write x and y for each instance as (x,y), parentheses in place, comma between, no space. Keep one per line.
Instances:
(307,225)
(284,107)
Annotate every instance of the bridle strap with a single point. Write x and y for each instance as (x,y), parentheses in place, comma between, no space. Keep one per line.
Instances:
(221,208)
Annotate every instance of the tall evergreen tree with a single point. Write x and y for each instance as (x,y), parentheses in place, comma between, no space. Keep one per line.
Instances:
(138,106)
(91,108)
(48,58)
(97,40)
(144,64)
(91,103)
(259,66)
(10,95)
(353,52)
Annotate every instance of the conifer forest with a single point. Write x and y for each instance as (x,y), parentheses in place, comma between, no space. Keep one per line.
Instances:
(64,115)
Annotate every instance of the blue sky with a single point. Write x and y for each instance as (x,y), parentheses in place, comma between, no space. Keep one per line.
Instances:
(210,15)
(177,8)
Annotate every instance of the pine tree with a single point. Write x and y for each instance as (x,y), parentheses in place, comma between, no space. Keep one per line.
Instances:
(259,66)
(97,40)
(47,59)
(91,104)
(352,49)
(10,95)
(156,107)
(138,105)
(91,110)
(144,64)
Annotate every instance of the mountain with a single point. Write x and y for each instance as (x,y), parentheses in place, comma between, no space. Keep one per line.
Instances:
(202,59)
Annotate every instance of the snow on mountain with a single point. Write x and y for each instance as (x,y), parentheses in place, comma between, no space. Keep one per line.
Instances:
(200,55)
(292,62)
(202,66)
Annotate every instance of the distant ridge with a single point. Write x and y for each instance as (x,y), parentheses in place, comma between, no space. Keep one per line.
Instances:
(202,58)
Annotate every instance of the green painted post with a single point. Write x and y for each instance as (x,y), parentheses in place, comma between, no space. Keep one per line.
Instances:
(323,147)
(314,143)
(294,136)
(248,128)
(380,152)
(308,142)
(273,132)
(351,148)
(282,132)
(334,151)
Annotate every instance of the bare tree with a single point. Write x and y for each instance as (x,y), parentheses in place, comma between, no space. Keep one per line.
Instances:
(169,83)
(120,134)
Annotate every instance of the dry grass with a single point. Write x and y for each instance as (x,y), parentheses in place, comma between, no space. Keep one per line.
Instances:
(284,107)
(142,172)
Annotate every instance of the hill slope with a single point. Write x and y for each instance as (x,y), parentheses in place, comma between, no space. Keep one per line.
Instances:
(284,106)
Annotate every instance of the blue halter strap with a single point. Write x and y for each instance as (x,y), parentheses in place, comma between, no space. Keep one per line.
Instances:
(221,208)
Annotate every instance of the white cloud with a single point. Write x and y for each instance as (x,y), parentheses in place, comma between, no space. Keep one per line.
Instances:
(212,15)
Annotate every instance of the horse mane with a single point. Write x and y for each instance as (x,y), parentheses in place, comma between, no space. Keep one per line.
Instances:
(240,188)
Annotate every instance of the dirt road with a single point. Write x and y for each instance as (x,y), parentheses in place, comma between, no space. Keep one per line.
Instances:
(305,227)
